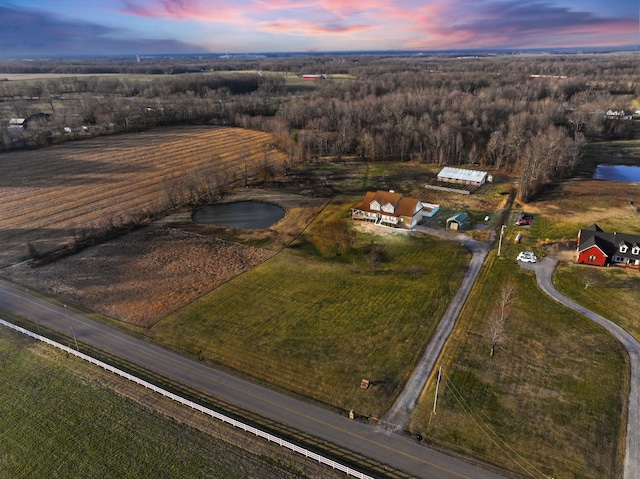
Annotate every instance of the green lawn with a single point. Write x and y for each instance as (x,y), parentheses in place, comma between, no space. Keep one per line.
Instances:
(317,325)
(549,402)
(57,422)
(610,292)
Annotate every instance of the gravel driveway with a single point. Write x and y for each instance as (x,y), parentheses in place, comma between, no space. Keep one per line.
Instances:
(544,273)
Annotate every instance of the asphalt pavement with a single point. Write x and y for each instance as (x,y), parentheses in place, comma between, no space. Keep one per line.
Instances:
(396,450)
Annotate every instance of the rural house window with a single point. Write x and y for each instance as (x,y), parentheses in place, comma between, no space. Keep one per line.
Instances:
(635,250)
(623,248)
(592,259)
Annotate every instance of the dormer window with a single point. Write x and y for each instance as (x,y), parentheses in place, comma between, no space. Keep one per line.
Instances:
(623,248)
(388,208)
(635,250)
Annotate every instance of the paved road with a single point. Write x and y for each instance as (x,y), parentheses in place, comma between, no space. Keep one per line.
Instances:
(399,414)
(389,448)
(544,272)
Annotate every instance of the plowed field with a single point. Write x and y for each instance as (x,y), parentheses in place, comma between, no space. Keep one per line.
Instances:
(51,197)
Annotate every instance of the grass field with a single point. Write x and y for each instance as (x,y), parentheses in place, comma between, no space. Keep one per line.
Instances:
(51,197)
(568,206)
(315,322)
(58,420)
(600,288)
(549,403)
(317,326)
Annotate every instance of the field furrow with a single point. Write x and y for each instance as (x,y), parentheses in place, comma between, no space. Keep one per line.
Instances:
(49,195)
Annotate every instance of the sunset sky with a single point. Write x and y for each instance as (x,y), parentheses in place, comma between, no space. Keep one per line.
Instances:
(74,27)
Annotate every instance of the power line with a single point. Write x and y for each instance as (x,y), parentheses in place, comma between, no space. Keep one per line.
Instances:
(493,436)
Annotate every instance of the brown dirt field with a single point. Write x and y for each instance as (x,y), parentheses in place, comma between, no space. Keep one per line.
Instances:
(141,277)
(51,197)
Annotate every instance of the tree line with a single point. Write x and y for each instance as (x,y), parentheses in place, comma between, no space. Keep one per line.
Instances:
(529,116)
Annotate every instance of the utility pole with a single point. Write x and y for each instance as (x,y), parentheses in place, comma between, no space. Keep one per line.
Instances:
(71,327)
(435,399)
(502,228)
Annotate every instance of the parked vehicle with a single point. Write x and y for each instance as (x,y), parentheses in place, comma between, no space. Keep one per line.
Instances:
(527,257)
(524,219)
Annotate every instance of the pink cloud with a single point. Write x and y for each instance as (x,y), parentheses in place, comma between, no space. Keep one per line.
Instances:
(513,23)
(184,10)
(412,24)
(339,8)
(307,28)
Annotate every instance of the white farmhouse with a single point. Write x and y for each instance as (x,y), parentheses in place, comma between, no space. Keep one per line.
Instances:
(388,208)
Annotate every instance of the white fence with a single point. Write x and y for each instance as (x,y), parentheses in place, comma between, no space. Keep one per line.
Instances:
(193,405)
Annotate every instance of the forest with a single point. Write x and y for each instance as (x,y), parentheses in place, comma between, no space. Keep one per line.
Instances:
(527,115)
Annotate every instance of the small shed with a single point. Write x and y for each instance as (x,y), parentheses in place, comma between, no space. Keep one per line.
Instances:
(458,221)
(462,176)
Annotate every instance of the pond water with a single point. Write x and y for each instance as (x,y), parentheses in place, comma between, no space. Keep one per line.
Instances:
(242,214)
(628,174)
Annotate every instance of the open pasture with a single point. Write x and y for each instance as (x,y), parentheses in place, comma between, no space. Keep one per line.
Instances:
(52,197)
(574,204)
(317,325)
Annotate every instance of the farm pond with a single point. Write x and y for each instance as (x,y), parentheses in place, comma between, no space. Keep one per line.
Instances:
(628,174)
(241,214)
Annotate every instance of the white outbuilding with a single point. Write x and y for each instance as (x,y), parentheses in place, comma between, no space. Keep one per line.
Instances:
(462,176)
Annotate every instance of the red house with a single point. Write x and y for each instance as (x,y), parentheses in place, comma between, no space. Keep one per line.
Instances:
(603,249)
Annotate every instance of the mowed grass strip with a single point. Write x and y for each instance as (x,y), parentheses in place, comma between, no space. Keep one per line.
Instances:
(57,422)
(549,403)
(318,325)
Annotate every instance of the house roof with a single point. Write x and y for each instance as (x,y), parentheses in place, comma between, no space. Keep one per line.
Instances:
(402,206)
(462,174)
(594,241)
(609,243)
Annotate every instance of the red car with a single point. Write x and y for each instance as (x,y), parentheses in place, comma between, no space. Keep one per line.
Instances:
(523,222)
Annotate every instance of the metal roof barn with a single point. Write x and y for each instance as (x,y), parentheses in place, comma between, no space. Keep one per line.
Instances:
(460,175)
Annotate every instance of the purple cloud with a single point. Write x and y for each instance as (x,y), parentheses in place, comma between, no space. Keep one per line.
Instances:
(29,32)
(514,23)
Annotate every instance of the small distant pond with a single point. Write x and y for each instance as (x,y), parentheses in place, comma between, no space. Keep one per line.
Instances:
(242,214)
(629,174)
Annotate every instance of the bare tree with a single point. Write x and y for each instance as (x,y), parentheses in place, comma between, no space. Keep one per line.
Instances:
(500,314)
(496,329)
(506,296)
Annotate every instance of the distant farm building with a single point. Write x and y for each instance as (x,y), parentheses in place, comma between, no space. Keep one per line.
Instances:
(599,248)
(16,124)
(462,176)
(388,208)
(312,77)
